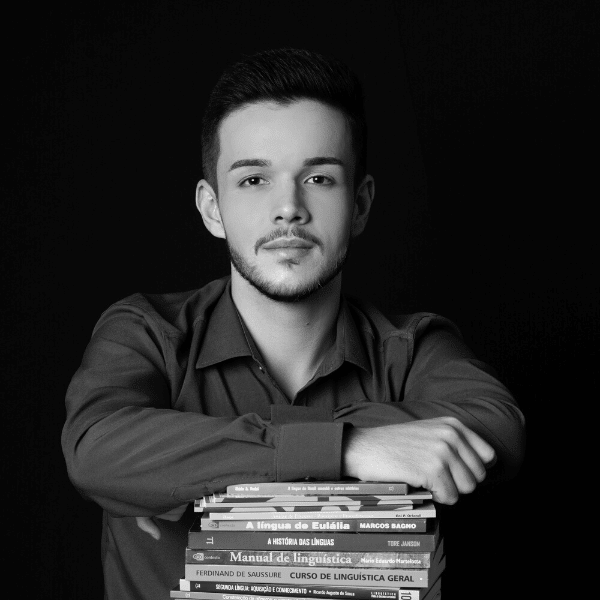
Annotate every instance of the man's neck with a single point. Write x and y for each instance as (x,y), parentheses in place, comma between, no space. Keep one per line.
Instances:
(292,337)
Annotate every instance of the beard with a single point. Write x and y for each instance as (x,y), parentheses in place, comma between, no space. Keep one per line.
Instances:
(283,292)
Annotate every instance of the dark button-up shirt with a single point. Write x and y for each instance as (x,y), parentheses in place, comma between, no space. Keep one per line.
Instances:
(173,401)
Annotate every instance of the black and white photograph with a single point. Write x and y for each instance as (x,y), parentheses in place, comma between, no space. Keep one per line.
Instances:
(300,299)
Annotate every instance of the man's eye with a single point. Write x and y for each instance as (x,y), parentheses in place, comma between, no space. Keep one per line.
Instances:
(252,181)
(320,180)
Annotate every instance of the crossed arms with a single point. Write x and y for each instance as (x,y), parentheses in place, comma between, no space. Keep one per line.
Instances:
(130,447)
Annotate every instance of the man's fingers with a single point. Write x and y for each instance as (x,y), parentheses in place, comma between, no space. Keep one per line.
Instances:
(443,488)
(146,524)
(470,458)
(458,468)
(471,453)
(472,463)
(463,474)
(484,451)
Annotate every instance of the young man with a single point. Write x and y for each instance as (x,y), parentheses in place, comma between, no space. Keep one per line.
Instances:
(270,374)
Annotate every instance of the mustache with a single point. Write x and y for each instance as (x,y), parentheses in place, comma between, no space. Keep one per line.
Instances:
(283,232)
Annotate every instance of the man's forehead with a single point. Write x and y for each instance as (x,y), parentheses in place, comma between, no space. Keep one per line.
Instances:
(269,130)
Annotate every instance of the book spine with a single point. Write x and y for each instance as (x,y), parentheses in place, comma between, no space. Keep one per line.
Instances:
(308,507)
(338,576)
(418,512)
(271,503)
(341,542)
(319,488)
(349,526)
(223,497)
(292,558)
(284,592)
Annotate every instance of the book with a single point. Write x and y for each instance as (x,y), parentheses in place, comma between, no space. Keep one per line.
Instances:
(423,511)
(338,499)
(344,525)
(294,558)
(329,488)
(305,497)
(339,576)
(293,540)
(210,590)
(312,500)
(202,506)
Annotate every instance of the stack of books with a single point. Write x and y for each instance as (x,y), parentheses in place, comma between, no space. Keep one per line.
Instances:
(344,539)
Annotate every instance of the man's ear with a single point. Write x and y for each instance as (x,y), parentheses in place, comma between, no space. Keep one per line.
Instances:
(363,199)
(208,207)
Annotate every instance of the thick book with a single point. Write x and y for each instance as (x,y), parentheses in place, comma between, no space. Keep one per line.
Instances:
(320,488)
(210,590)
(411,578)
(424,511)
(293,540)
(347,525)
(300,558)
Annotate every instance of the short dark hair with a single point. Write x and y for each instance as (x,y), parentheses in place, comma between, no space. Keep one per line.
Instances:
(284,76)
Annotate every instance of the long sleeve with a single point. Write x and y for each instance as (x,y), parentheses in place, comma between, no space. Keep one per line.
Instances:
(443,378)
(167,406)
(131,447)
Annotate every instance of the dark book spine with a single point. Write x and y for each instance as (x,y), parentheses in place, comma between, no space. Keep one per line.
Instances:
(301,591)
(342,542)
(348,525)
(359,498)
(207,506)
(293,558)
(319,488)
(335,499)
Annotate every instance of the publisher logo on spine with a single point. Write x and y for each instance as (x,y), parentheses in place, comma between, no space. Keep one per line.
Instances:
(198,556)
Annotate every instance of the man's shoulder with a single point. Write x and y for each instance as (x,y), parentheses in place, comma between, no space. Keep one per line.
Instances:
(406,327)
(370,319)
(178,311)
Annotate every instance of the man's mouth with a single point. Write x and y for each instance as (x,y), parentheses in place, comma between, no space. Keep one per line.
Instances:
(285,242)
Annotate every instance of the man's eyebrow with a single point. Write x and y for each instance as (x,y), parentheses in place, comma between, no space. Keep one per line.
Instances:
(309,162)
(250,162)
(323,160)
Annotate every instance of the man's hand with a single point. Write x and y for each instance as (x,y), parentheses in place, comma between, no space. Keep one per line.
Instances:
(441,455)
(149,526)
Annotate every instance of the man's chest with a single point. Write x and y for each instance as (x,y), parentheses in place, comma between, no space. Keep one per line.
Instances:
(242,386)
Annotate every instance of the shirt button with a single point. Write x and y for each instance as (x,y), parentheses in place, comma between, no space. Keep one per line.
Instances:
(261,369)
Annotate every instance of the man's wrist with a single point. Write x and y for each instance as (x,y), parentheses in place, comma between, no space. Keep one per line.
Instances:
(351,453)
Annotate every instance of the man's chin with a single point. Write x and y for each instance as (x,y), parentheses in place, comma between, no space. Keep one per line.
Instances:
(285,292)
(294,285)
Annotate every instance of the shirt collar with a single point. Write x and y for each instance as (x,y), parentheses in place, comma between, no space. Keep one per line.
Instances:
(224,337)
(227,338)
(348,346)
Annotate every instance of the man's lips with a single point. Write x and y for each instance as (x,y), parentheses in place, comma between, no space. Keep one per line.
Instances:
(287,243)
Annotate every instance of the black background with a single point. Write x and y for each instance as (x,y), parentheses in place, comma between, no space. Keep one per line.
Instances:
(483,147)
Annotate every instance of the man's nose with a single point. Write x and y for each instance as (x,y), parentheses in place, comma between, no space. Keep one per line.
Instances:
(289,207)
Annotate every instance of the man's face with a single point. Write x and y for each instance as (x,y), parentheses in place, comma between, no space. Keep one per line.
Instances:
(285,177)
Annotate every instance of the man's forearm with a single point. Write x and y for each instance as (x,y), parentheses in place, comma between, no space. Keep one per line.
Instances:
(441,455)
(497,422)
